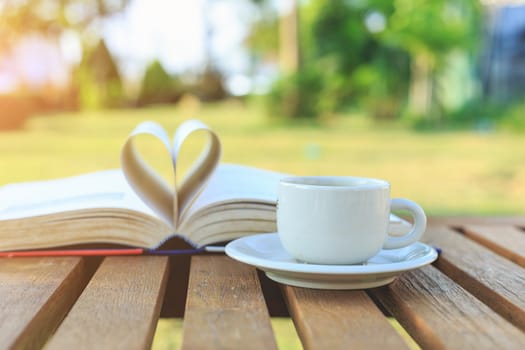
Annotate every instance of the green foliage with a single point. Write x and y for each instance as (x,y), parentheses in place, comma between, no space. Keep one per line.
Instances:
(431,31)
(158,86)
(338,29)
(481,115)
(373,55)
(296,96)
(435,27)
(349,63)
(382,82)
(476,112)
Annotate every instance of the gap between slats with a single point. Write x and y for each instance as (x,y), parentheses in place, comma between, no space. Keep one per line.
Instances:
(507,241)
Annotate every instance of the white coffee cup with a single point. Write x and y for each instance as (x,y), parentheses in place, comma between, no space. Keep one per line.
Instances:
(340,220)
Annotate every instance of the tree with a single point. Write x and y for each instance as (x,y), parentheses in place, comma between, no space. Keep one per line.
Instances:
(430,30)
(158,86)
(376,55)
(358,68)
(343,63)
(99,80)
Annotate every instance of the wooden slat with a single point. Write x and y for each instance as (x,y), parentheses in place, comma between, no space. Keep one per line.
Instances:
(35,294)
(439,314)
(225,308)
(476,220)
(493,279)
(327,319)
(118,309)
(504,240)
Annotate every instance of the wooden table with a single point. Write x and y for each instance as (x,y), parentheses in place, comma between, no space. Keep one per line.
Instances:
(472,297)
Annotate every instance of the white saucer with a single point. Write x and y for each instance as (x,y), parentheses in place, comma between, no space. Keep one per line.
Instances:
(265,252)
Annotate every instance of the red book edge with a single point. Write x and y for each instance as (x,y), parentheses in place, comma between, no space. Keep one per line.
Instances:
(72,252)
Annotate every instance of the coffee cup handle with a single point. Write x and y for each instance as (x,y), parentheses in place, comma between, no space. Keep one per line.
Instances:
(418,228)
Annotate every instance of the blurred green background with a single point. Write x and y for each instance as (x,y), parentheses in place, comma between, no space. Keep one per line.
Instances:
(427,94)
(432,64)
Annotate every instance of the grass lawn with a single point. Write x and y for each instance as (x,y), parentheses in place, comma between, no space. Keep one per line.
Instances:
(446,172)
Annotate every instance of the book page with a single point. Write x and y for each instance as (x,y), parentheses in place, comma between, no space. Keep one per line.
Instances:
(236,183)
(203,167)
(104,189)
(150,186)
(168,200)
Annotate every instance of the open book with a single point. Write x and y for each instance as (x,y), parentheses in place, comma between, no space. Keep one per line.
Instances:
(135,207)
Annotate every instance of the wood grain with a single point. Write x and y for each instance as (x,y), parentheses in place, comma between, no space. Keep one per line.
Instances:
(327,319)
(118,309)
(508,241)
(225,308)
(493,279)
(456,221)
(439,314)
(35,294)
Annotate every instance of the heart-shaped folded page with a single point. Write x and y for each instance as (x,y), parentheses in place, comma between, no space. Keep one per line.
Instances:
(169,201)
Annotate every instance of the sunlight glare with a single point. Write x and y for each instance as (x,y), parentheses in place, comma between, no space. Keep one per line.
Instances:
(239,85)
(375,22)
(71,47)
(169,30)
